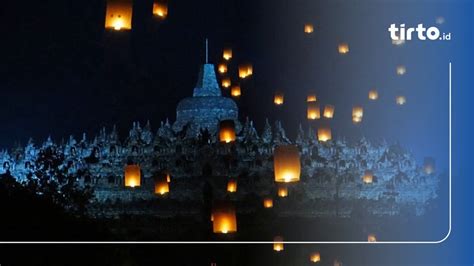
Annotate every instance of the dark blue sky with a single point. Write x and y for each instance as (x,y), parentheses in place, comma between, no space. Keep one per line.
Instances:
(62,74)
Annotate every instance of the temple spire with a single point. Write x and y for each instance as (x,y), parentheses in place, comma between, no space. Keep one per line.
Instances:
(207,51)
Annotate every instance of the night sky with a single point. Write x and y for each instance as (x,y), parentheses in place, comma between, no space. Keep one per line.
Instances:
(62,74)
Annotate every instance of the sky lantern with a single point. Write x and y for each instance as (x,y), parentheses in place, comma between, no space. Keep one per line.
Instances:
(315,257)
(268,203)
(373,95)
(168,177)
(400,100)
(132,175)
(368,177)
(324,134)
(236,91)
(232,185)
(245,70)
(227,131)
(279,98)
(282,191)
(278,244)
(226,82)
(287,164)
(162,186)
(160,9)
(371,238)
(222,68)
(313,112)
(343,48)
(328,111)
(311,98)
(223,217)
(119,15)
(308,28)
(357,114)
(401,70)
(429,165)
(227,54)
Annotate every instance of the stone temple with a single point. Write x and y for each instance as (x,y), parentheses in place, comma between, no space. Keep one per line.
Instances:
(207,106)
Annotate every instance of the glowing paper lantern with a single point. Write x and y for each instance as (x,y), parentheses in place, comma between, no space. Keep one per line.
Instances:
(227,54)
(313,112)
(315,257)
(245,70)
(162,187)
(357,114)
(401,70)
(119,15)
(232,185)
(168,177)
(324,134)
(373,95)
(343,48)
(429,165)
(222,68)
(132,176)
(368,177)
(227,131)
(160,9)
(287,164)
(282,191)
(372,238)
(235,91)
(311,98)
(268,203)
(226,82)
(401,100)
(278,244)
(308,28)
(279,98)
(328,111)
(224,219)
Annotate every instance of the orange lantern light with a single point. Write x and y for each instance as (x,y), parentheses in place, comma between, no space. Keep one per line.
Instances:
(343,48)
(368,177)
(315,257)
(162,187)
(226,82)
(324,134)
(224,219)
(222,68)
(227,131)
(119,15)
(313,112)
(268,203)
(278,244)
(132,176)
(160,9)
(282,191)
(308,28)
(357,114)
(372,238)
(245,70)
(227,54)
(168,177)
(287,164)
(232,186)
(279,98)
(328,111)
(311,98)
(236,92)
(373,95)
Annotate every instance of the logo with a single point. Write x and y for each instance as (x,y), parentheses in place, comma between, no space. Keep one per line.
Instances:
(402,33)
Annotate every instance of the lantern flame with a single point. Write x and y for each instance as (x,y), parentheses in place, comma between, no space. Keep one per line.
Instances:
(313,112)
(328,111)
(132,176)
(286,164)
(315,257)
(119,15)
(324,134)
(160,10)
(373,95)
(343,48)
(236,91)
(308,28)
(268,203)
